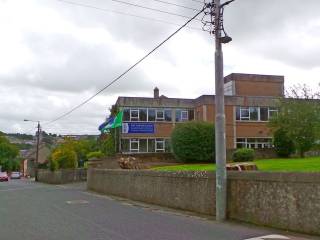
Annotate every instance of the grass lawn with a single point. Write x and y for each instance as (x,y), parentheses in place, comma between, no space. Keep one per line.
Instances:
(311,164)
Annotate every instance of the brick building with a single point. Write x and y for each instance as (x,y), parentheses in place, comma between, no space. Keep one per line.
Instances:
(249,103)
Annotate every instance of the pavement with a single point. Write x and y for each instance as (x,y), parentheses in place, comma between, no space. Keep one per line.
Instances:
(32,211)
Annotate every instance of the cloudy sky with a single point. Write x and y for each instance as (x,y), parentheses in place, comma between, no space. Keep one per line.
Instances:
(55,54)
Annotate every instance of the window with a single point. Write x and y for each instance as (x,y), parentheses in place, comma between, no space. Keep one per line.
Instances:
(184,116)
(126,114)
(264,114)
(160,145)
(167,115)
(134,145)
(254,143)
(191,115)
(143,115)
(143,147)
(272,112)
(159,115)
(254,113)
(125,145)
(151,115)
(134,115)
(151,145)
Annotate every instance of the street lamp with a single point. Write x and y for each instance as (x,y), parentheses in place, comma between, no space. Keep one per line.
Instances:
(37,151)
(214,25)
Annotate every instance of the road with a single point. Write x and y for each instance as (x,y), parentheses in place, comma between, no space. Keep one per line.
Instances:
(32,211)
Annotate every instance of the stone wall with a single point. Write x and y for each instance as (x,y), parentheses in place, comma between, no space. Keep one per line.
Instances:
(288,201)
(62,176)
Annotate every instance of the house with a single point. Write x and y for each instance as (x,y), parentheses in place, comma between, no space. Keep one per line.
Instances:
(249,103)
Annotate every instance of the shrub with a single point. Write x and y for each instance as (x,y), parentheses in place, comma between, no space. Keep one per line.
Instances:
(53,165)
(243,155)
(65,157)
(97,154)
(193,142)
(107,146)
(283,145)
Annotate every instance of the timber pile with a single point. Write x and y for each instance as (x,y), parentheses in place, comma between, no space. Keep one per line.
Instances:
(242,167)
(130,163)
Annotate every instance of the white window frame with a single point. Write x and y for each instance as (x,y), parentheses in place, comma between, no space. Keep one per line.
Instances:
(157,140)
(242,109)
(187,114)
(131,118)
(160,111)
(273,111)
(248,144)
(134,140)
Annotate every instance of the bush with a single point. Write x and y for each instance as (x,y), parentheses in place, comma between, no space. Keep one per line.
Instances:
(65,157)
(283,145)
(193,142)
(107,146)
(53,165)
(243,155)
(97,154)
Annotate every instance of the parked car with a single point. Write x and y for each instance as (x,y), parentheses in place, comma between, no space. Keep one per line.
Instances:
(4,177)
(15,175)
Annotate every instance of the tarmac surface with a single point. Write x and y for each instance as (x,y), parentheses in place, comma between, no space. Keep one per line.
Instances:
(36,211)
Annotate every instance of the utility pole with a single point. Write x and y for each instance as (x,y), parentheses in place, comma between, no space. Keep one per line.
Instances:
(37,154)
(215,26)
(220,133)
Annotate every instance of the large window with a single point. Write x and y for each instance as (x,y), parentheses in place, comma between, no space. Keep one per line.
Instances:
(144,145)
(255,113)
(254,142)
(151,115)
(183,115)
(134,115)
(159,115)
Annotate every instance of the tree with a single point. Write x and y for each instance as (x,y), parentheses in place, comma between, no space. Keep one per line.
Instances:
(8,154)
(64,157)
(283,144)
(193,141)
(299,117)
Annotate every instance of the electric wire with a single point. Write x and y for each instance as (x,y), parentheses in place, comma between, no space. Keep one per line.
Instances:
(126,14)
(126,71)
(131,4)
(177,5)
(152,9)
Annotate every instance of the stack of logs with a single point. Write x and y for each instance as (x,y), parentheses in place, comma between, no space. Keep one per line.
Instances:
(130,163)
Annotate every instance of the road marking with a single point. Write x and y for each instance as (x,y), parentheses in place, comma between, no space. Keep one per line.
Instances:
(274,237)
(77,202)
(16,189)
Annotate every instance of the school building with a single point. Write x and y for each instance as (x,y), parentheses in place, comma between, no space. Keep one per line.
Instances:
(249,103)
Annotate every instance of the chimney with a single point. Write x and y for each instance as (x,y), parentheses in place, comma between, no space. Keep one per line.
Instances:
(156,92)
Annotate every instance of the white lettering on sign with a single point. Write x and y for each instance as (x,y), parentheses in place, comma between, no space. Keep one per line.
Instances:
(274,237)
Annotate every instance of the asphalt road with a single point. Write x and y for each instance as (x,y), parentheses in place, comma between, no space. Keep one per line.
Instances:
(32,211)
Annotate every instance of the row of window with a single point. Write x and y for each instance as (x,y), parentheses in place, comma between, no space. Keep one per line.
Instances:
(255,113)
(156,115)
(254,143)
(145,145)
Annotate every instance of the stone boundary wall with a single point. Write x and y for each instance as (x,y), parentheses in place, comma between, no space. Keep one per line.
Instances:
(62,176)
(289,201)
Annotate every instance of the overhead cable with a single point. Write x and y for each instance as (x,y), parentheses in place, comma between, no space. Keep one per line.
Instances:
(128,70)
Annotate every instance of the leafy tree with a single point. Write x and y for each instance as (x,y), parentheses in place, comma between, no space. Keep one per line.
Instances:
(8,154)
(283,144)
(299,117)
(193,141)
(64,157)
(107,146)
(97,154)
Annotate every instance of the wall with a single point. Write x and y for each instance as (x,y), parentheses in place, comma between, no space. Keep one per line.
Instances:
(62,176)
(283,200)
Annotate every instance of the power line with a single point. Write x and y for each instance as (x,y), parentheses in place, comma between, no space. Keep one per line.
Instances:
(130,4)
(151,9)
(126,14)
(177,5)
(128,70)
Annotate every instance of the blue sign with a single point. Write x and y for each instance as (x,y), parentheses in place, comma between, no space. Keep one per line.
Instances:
(137,127)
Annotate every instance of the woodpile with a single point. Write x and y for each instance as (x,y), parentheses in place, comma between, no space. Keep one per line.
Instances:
(242,167)
(130,163)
